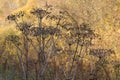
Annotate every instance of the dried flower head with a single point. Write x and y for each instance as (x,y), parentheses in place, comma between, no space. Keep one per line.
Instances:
(25,27)
(39,12)
(15,16)
(20,14)
(52,30)
(13,38)
(12,17)
(101,52)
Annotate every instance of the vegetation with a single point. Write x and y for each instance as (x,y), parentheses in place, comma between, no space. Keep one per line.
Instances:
(51,44)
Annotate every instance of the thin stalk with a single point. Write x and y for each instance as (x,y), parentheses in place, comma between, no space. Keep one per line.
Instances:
(26,55)
(21,61)
(74,57)
(107,74)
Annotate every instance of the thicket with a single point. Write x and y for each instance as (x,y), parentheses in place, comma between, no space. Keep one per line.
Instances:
(53,46)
